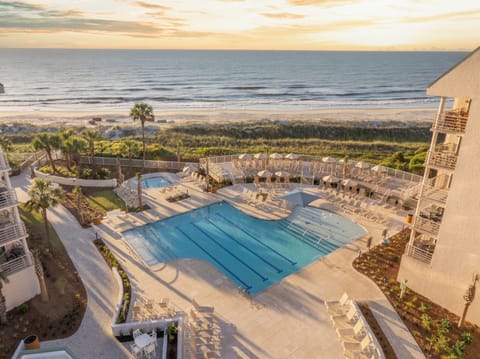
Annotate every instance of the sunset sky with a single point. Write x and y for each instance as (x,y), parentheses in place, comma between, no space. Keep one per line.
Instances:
(242,24)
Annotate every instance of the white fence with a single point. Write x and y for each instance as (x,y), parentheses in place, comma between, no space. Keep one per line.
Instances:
(107,183)
(109,161)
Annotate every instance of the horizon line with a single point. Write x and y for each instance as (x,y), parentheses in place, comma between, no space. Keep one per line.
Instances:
(220,49)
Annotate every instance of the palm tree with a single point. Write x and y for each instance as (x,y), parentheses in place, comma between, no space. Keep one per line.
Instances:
(142,112)
(77,191)
(43,195)
(91,136)
(130,148)
(47,142)
(71,148)
(3,305)
(179,150)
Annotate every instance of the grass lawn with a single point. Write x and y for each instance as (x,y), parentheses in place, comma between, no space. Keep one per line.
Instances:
(34,221)
(106,200)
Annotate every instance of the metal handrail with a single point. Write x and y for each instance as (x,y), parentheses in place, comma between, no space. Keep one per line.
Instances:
(442,159)
(8,198)
(454,121)
(12,232)
(17,264)
(427,225)
(419,253)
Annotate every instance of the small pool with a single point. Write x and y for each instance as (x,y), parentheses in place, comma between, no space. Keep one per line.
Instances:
(157,181)
(252,252)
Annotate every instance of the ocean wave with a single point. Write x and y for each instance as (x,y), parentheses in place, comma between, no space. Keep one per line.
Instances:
(244,87)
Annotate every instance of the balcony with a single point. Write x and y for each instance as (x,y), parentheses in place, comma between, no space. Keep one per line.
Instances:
(426,225)
(12,232)
(4,166)
(8,198)
(17,264)
(424,255)
(453,121)
(436,194)
(446,160)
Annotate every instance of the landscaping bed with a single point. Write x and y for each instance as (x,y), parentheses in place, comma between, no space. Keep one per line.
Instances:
(61,316)
(433,327)
(127,289)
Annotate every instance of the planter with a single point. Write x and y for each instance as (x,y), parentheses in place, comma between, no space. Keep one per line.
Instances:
(31,342)
(97,220)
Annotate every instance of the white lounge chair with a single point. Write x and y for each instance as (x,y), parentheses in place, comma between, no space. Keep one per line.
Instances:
(363,347)
(357,333)
(347,320)
(338,306)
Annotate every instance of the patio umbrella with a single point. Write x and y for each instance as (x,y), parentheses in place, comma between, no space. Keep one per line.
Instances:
(292,156)
(260,156)
(299,198)
(276,156)
(329,159)
(264,173)
(362,165)
(379,169)
(330,179)
(245,156)
(349,183)
(282,174)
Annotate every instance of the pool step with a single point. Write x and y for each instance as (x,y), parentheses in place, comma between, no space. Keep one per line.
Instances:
(317,242)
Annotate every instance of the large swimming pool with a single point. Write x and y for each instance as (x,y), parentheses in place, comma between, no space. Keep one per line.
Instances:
(252,252)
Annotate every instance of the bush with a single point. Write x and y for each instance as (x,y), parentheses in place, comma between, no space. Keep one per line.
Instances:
(23,308)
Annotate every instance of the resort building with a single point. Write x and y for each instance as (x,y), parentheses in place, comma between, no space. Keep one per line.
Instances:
(16,261)
(443,254)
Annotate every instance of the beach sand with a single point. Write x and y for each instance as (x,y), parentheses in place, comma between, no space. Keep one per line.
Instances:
(70,118)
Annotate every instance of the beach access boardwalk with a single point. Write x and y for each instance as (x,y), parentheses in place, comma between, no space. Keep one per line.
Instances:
(94,338)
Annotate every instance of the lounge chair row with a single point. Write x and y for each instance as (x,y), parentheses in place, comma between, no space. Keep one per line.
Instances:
(356,336)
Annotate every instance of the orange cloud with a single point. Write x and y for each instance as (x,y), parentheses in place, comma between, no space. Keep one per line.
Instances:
(283,15)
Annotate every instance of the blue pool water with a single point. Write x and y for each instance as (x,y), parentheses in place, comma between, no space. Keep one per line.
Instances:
(155,182)
(252,252)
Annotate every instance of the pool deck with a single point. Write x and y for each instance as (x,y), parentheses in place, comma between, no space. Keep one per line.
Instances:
(286,320)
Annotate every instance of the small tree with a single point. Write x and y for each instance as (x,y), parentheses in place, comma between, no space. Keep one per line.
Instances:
(142,112)
(77,191)
(5,143)
(43,195)
(47,142)
(91,136)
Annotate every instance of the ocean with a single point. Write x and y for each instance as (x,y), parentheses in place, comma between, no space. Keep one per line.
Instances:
(61,79)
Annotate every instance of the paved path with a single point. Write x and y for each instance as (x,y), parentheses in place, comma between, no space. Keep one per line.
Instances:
(94,337)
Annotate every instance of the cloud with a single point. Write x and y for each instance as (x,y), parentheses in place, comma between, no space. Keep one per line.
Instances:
(18,23)
(147,5)
(21,5)
(283,15)
(448,15)
(319,2)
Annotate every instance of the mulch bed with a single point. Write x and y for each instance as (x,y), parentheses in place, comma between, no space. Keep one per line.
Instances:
(433,327)
(377,330)
(58,318)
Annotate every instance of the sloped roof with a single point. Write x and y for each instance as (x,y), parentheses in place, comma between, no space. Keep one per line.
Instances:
(462,80)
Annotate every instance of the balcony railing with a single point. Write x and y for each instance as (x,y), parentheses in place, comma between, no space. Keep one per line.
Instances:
(419,253)
(453,121)
(17,264)
(4,162)
(443,159)
(12,232)
(8,198)
(427,225)
(436,194)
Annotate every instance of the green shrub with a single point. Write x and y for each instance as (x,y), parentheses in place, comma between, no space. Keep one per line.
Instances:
(426,322)
(466,337)
(23,308)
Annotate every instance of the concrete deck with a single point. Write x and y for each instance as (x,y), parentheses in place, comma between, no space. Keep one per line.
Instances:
(286,320)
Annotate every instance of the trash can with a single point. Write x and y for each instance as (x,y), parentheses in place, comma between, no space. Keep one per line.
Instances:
(409,218)
(31,342)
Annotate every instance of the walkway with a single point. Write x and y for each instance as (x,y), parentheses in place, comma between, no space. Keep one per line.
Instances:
(94,338)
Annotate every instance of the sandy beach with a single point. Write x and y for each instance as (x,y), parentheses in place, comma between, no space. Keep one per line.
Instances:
(365,116)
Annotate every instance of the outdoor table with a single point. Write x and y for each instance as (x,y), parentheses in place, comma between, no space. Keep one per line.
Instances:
(143,340)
